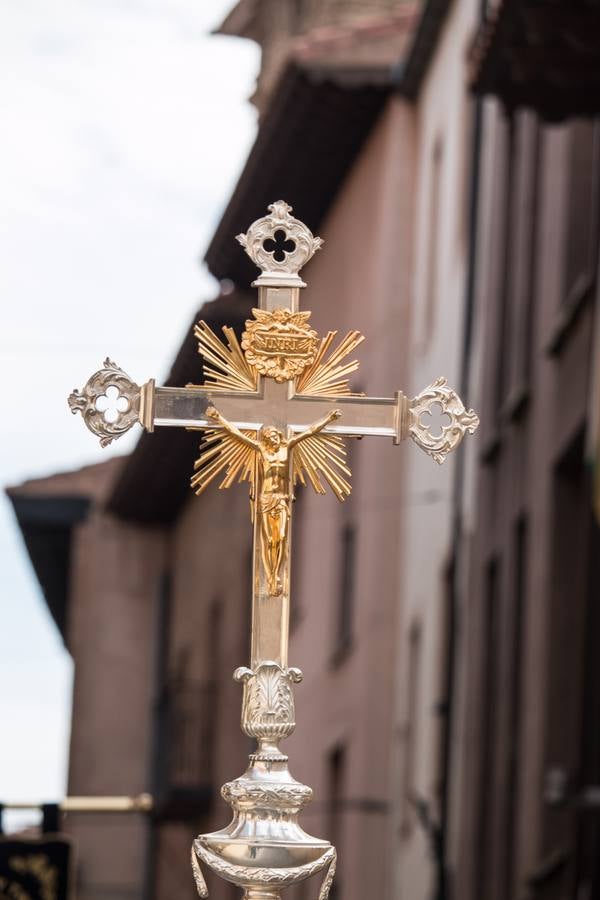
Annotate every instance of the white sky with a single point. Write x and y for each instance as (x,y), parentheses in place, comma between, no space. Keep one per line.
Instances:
(124,128)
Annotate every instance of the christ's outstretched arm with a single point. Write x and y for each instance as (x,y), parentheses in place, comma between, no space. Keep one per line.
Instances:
(213,413)
(317,426)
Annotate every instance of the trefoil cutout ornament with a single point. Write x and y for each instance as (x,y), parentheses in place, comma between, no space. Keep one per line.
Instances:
(274,410)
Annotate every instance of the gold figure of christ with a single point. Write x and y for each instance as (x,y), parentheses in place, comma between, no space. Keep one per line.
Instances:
(274,489)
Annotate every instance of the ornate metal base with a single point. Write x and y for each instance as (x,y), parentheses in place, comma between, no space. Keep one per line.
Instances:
(264,849)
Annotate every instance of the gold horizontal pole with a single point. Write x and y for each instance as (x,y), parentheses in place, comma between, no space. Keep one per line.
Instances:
(140,803)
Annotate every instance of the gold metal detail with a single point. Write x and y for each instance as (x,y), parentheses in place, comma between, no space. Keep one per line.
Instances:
(225,368)
(279,344)
(279,245)
(274,411)
(267,462)
(38,866)
(327,377)
(461,420)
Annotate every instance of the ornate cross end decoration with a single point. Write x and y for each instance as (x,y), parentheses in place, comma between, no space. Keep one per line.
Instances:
(110,403)
(274,410)
(279,245)
(460,420)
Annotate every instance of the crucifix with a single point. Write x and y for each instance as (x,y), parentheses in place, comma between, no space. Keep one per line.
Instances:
(273,410)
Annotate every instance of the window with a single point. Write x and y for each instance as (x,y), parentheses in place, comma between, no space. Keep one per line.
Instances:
(445,684)
(299,15)
(520,260)
(162,621)
(488,698)
(581,233)
(298,511)
(511,836)
(433,243)
(348,547)
(568,598)
(345,610)
(246,598)
(214,634)
(504,253)
(411,729)
(336,778)
(494,311)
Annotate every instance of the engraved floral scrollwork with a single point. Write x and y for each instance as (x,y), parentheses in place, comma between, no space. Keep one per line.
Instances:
(268,704)
(109,403)
(274,257)
(461,420)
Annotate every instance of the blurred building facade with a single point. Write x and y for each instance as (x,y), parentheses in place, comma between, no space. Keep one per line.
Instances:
(356,31)
(197,620)
(143,614)
(444,618)
(529,749)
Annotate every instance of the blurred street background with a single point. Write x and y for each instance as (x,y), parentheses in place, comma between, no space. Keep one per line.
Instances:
(119,147)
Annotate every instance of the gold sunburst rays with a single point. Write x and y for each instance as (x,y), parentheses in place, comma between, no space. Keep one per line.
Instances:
(323,455)
(220,452)
(226,367)
(319,460)
(329,376)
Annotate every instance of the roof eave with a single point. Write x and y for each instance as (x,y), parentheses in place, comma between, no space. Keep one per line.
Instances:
(46,523)
(241,21)
(543,58)
(411,71)
(139,494)
(315,125)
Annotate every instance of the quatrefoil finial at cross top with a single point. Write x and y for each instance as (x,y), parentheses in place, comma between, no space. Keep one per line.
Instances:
(279,245)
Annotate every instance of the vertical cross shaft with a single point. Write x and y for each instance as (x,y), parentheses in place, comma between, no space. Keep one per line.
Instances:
(271,614)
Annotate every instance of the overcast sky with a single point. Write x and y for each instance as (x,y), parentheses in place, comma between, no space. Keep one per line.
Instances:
(124,128)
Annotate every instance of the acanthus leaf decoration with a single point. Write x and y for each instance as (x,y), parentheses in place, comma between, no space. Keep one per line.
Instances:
(268,704)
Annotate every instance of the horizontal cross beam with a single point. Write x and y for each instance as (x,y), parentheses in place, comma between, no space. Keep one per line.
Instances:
(272,404)
(275,405)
